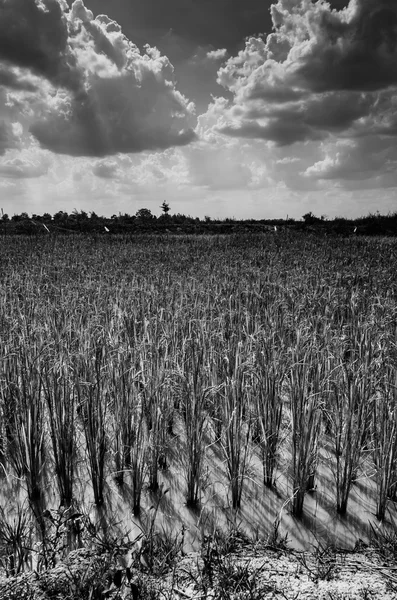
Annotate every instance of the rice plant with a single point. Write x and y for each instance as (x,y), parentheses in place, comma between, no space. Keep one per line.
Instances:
(60,398)
(124,398)
(194,403)
(267,393)
(156,405)
(236,428)
(93,399)
(130,432)
(22,395)
(351,400)
(15,539)
(384,422)
(305,393)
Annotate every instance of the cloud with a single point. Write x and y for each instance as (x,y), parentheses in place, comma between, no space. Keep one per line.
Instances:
(34,35)
(217,54)
(353,49)
(321,72)
(105,169)
(18,168)
(12,78)
(105,96)
(362,159)
(9,137)
(283,132)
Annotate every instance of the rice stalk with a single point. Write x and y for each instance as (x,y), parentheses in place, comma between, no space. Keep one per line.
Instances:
(236,430)
(60,398)
(384,422)
(305,392)
(93,398)
(268,408)
(352,390)
(194,404)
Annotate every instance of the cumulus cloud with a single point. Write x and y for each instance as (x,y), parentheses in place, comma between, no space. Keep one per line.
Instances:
(18,168)
(321,72)
(11,78)
(106,96)
(359,159)
(219,54)
(105,169)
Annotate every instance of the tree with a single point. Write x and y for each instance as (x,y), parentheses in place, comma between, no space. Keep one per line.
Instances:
(144,214)
(61,216)
(309,218)
(22,217)
(165,207)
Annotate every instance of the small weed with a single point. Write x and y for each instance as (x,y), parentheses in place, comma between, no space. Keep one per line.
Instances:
(384,541)
(15,531)
(275,539)
(323,564)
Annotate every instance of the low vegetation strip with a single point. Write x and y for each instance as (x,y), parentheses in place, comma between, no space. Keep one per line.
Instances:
(254,572)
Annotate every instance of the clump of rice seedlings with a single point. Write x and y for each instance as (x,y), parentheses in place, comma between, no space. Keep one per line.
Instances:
(131,442)
(236,429)
(93,397)
(384,422)
(194,402)
(352,388)
(124,398)
(22,394)
(157,406)
(15,539)
(60,393)
(268,375)
(139,457)
(305,392)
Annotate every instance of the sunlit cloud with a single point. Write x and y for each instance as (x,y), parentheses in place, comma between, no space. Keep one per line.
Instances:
(106,95)
(219,54)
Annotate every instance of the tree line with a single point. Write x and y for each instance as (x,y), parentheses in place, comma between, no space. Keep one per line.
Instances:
(145,221)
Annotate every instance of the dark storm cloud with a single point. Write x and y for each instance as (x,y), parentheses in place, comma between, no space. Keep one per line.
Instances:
(34,35)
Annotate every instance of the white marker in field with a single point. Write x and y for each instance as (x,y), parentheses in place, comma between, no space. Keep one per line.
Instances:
(275,228)
(46,228)
(355,229)
(106,229)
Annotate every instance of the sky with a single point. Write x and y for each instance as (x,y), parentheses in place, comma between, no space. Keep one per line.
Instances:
(250,110)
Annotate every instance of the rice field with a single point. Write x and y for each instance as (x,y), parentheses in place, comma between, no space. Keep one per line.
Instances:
(183,383)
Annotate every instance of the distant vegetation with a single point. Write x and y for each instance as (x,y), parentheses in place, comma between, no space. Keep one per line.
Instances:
(145,221)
